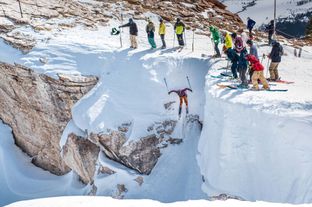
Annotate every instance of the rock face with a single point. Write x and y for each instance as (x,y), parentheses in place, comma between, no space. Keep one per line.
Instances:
(81,155)
(37,108)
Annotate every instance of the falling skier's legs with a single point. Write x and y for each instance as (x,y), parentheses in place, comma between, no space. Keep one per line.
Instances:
(183,99)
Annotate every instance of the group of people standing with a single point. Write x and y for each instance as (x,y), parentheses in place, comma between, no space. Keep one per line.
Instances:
(235,47)
(179,28)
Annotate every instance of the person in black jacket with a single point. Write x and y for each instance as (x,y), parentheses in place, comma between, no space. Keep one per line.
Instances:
(276,57)
(250,24)
(270,29)
(133,29)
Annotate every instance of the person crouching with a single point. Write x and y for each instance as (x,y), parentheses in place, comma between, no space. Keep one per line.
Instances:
(258,73)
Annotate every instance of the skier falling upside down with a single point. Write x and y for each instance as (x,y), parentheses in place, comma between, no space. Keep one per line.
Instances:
(183,98)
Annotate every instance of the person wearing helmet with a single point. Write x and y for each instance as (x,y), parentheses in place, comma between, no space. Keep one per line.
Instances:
(162,32)
(150,30)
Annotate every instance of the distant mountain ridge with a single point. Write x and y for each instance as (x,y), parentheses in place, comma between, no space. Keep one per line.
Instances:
(292,15)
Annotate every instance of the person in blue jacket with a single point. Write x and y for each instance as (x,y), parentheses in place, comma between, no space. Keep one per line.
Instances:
(250,25)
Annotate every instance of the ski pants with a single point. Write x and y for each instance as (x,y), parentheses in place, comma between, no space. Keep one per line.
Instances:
(180,39)
(234,68)
(183,99)
(259,75)
(152,42)
(273,71)
(217,49)
(133,41)
(242,75)
(162,37)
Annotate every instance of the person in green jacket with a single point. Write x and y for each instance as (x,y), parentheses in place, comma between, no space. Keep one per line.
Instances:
(150,30)
(179,28)
(216,39)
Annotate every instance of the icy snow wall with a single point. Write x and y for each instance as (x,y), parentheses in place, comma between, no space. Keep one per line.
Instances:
(255,155)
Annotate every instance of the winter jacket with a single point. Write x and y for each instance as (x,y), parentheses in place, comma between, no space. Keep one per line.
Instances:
(255,63)
(228,41)
(133,29)
(250,23)
(254,51)
(162,28)
(270,28)
(179,27)
(215,35)
(276,53)
(150,29)
(181,92)
(232,55)
(238,43)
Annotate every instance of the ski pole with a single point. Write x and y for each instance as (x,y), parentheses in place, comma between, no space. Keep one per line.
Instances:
(193,41)
(166,84)
(173,38)
(20,7)
(188,82)
(184,37)
(120,38)
(267,68)
(263,56)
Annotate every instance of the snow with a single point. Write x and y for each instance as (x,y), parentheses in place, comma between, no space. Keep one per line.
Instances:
(249,146)
(85,201)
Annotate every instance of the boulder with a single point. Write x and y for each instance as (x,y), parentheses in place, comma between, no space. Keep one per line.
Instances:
(81,155)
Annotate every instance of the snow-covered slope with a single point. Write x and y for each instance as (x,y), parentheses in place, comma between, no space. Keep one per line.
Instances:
(250,145)
(85,201)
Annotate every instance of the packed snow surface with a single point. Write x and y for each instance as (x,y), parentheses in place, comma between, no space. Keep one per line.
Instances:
(254,145)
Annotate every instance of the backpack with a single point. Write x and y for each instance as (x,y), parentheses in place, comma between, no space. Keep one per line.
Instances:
(115,31)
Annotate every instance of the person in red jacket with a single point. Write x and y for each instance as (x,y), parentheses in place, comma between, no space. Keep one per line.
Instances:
(258,73)
(183,98)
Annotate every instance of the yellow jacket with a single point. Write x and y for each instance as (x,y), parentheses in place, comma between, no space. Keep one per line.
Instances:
(162,28)
(228,41)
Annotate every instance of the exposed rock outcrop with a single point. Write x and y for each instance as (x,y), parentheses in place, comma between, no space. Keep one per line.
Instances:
(37,108)
(81,155)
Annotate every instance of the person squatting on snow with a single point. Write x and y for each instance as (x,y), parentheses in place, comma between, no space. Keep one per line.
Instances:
(150,30)
(216,39)
(183,98)
(162,32)
(133,29)
(270,29)
(258,73)
(276,57)
(250,25)
(252,51)
(179,28)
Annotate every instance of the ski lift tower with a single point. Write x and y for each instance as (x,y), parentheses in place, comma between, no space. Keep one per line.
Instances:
(274,33)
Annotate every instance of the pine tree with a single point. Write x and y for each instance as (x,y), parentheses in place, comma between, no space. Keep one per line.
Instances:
(309,28)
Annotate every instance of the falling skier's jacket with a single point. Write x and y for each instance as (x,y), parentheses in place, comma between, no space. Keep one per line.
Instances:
(182,92)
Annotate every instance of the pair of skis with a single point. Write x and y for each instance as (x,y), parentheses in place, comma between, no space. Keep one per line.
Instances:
(235,87)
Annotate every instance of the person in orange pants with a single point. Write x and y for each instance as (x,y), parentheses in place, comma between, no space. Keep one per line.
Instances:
(183,98)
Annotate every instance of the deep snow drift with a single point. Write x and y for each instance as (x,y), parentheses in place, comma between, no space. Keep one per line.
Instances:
(249,147)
